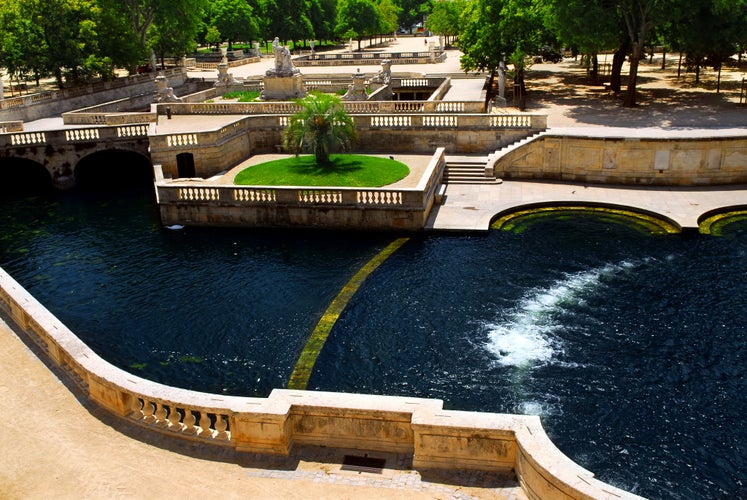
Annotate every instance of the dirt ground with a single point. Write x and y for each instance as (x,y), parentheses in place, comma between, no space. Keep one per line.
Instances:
(570,98)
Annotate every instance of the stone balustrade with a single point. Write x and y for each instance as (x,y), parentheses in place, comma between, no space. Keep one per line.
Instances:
(352,107)
(197,202)
(54,95)
(369,58)
(73,135)
(14,126)
(434,437)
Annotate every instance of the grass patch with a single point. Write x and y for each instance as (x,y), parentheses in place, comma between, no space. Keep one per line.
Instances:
(247,96)
(343,171)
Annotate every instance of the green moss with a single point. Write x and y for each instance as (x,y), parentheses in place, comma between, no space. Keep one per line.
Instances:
(518,222)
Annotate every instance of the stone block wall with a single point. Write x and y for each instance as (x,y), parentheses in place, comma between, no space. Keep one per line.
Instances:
(673,160)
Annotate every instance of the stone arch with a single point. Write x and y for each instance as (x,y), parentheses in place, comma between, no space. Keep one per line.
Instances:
(22,176)
(113,169)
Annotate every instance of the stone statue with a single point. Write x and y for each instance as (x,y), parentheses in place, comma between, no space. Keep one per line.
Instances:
(164,93)
(357,89)
(283,63)
(284,81)
(500,101)
(384,76)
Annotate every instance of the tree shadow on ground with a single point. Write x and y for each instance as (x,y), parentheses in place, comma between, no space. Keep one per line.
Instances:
(663,101)
(338,165)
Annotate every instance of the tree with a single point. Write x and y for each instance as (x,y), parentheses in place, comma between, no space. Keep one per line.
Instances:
(322,125)
(587,27)
(444,18)
(234,19)
(287,20)
(498,29)
(359,18)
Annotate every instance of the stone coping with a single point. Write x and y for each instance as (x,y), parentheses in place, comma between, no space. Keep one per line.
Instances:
(436,438)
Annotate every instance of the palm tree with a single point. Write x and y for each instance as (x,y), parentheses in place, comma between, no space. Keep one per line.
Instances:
(322,125)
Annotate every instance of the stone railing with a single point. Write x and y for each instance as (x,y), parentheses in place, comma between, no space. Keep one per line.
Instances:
(369,58)
(73,135)
(352,107)
(434,437)
(84,89)
(14,126)
(197,202)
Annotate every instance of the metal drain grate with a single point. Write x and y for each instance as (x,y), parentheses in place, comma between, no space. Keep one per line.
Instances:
(363,464)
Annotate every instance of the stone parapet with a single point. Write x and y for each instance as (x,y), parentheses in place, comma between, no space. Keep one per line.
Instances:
(673,159)
(436,438)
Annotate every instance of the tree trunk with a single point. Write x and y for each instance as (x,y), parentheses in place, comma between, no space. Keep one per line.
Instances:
(595,67)
(617,62)
(718,81)
(635,57)
(679,66)
(664,59)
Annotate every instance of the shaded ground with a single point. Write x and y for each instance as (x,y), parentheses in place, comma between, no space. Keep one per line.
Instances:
(571,98)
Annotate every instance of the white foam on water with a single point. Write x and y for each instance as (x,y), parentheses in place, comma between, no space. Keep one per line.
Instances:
(525,336)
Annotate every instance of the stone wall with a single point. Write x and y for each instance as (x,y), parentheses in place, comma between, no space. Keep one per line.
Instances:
(670,159)
(36,106)
(218,150)
(435,437)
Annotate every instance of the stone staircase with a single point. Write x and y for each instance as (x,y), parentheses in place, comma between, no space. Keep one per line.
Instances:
(467,170)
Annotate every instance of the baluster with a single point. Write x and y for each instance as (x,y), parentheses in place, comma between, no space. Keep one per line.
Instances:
(189,422)
(204,424)
(148,416)
(135,406)
(221,425)
(161,415)
(174,418)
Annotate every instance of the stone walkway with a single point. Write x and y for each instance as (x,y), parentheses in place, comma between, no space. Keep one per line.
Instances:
(64,448)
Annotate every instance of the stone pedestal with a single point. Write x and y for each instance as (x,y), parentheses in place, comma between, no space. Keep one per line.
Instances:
(283,87)
(357,89)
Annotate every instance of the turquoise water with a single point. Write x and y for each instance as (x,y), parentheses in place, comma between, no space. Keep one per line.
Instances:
(630,347)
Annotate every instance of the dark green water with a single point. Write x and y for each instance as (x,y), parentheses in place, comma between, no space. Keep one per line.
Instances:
(631,347)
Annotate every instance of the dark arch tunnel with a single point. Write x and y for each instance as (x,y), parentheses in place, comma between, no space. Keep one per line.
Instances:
(23,177)
(113,170)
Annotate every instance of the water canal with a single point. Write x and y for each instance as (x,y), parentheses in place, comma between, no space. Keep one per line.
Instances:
(631,346)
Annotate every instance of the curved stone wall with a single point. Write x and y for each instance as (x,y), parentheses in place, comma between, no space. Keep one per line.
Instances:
(436,438)
(637,157)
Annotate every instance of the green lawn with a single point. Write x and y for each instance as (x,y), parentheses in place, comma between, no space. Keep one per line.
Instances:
(345,171)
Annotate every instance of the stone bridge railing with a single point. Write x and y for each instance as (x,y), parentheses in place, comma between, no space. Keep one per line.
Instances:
(434,437)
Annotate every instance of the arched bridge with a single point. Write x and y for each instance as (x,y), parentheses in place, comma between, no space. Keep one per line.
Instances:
(62,153)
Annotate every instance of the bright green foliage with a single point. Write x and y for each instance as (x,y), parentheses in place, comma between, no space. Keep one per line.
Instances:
(357,18)
(388,14)
(234,19)
(175,28)
(444,19)
(322,125)
(286,19)
(585,25)
(493,29)
(413,11)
